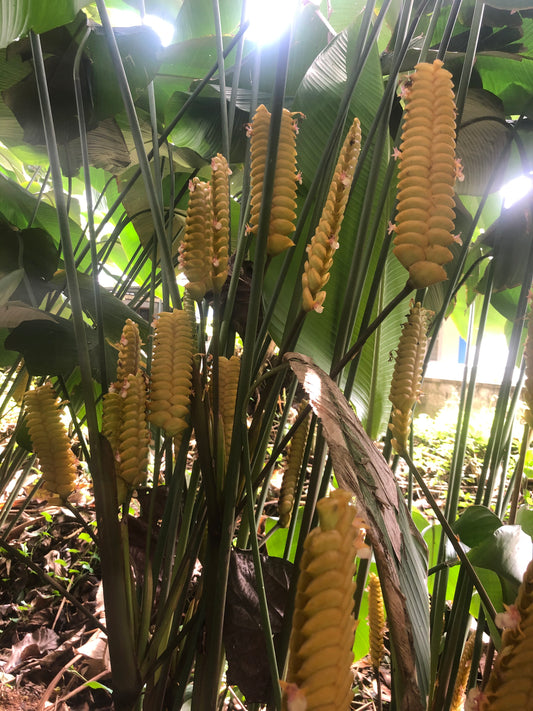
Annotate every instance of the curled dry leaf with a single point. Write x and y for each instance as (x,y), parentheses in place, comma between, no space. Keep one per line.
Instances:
(32,645)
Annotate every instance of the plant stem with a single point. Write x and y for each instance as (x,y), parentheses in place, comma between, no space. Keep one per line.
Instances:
(125,672)
(369,330)
(447,529)
(155,207)
(526,437)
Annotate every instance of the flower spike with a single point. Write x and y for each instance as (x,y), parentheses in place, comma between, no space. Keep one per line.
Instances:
(406,379)
(282,214)
(325,240)
(426,178)
(320,653)
(50,440)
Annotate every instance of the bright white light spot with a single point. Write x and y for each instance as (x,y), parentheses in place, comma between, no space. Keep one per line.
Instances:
(268,19)
(130,18)
(516,189)
(312,386)
(164,29)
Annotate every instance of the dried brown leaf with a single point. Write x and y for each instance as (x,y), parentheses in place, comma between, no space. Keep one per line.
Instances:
(32,645)
(243,634)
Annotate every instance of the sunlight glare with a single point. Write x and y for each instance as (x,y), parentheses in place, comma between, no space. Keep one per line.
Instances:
(313,386)
(130,18)
(515,190)
(269,19)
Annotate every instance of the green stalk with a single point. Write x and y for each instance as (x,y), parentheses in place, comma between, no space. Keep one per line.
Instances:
(363,245)
(164,251)
(299,490)
(450,24)
(430,30)
(206,682)
(90,216)
(260,583)
(222,80)
(505,387)
(7,507)
(318,189)
(363,337)
(172,125)
(524,446)
(281,426)
(453,643)
(374,286)
(236,75)
(335,370)
(441,578)
(447,529)
(470,58)
(125,673)
(171,547)
(315,480)
(503,492)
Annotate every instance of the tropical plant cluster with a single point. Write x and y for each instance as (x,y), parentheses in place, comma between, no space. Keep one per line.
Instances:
(219,259)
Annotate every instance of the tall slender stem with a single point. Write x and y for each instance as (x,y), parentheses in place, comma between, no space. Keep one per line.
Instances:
(121,646)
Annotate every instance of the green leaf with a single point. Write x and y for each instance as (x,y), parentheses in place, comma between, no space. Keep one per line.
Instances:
(34,250)
(98,685)
(48,347)
(140,49)
(166,9)
(475,525)
(9,283)
(481,142)
(18,207)
(510,77)
(200,130)
(114,311)
(507,552)
(492,584)
(510,237)
(195,18)
(505,302)
(184,62)
(419,520)
(524,518)
(137,207)
(18,17)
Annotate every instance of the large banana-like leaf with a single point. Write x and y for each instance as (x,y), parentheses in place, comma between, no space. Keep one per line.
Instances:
(18,206)
(18,17)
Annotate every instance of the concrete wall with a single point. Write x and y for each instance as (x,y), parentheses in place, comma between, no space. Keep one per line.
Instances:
(439,392)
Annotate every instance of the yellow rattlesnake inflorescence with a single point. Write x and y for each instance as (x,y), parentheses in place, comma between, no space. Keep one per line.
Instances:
(407,376)
(320,653)
(50,440)
(292,469)
(427,173)
(325,240)
(283,209)
(171,377)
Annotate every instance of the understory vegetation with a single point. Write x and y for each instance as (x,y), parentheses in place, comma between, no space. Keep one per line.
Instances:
(224,267)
